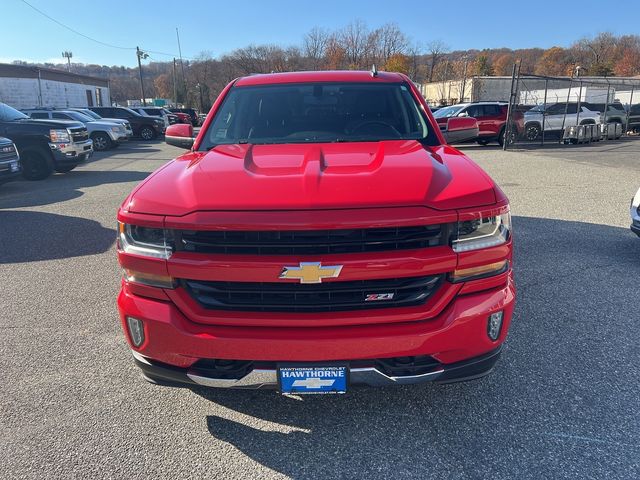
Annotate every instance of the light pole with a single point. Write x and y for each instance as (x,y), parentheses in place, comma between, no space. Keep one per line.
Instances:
(141,55)
(199,87)
(68,56)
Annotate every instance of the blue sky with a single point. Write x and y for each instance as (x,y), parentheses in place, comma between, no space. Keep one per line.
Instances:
(221,26)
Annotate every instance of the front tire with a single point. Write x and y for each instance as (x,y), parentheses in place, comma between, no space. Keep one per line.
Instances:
(482,142)
(37,163)
(147,133)
(532,131)
(101,141)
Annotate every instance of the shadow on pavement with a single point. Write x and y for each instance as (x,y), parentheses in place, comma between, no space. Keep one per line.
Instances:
(61,187)
(560,400)
(34,236)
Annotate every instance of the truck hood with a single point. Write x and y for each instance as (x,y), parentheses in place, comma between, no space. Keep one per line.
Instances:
(52,123)
(314,176)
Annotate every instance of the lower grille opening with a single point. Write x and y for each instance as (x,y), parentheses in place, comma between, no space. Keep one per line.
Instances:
(225,369)
(406,366)
(324,297)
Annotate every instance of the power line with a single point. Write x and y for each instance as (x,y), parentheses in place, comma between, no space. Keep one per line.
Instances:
(93,39)
(75,31)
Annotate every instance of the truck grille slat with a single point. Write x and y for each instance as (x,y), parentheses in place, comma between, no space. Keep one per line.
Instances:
(324,297)
(309,242)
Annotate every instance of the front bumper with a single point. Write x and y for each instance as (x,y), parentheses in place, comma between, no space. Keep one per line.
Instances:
(266,376)
(456,338)
(9,170)
(72,152)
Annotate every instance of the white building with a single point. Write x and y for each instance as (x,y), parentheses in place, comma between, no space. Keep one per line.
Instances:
(29,87)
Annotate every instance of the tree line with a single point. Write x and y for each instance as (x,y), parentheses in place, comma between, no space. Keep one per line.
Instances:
(356,46)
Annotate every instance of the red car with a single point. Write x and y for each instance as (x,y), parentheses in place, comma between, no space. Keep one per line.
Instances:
(491,117)
(319,233)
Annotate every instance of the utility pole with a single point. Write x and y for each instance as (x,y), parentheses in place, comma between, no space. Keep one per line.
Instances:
(68,56)
(140,54)
(200,91)
(184,79)
(464,78)
(175,85)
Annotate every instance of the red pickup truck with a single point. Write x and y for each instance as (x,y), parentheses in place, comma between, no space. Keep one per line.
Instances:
(318,233)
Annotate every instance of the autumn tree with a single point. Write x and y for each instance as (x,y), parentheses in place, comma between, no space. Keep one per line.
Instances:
(482,65)
(554,62)
(436,52)
(398,62)
(503,64)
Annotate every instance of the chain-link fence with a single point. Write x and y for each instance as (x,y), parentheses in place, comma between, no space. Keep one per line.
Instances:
(576,110)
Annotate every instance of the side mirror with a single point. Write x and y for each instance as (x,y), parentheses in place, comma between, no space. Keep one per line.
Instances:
(463,114)
(461,129)
(179,135)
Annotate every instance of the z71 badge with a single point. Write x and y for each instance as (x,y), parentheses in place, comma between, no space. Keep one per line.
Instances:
(376,297)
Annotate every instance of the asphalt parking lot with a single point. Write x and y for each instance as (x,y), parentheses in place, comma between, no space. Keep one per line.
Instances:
(563,402)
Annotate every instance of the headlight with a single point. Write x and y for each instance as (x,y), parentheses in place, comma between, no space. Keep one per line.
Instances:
(58,136)
(145,241)
(116,129)
(482,232)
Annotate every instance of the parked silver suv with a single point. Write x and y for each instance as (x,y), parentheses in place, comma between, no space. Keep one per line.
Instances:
(557,116)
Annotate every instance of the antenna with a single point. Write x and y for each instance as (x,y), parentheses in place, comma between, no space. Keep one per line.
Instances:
(374,71)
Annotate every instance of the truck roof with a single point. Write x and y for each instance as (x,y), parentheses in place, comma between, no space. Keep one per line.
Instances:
(323,76)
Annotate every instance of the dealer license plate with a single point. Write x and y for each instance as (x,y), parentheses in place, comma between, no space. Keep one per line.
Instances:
(309,379)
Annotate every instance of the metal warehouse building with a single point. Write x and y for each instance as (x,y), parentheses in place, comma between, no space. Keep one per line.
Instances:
(29,87)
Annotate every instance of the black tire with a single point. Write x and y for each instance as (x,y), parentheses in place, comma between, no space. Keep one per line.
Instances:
(37,163)
(66,168)
(101,141)
(501,136)
(482,142)
(532,131)
(147,133)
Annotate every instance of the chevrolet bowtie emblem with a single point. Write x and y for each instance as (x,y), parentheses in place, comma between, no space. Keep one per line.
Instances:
(310,272)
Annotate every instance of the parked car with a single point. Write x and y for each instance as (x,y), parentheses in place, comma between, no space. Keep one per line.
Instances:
(95,116)
(556,117)
(634,118)
(182,117)
(146,128)
(45,145)
(491,117)
(9,161)
(193,114)
(635,213)
(327,237)
(167,117)
(105,134)
(615,112)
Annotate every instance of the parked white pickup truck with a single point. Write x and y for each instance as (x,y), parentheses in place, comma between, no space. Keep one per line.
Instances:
(556,117)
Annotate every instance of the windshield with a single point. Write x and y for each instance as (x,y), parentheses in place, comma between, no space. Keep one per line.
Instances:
(91,114)
(8,113)
(447,112)
(538,108)
(318,112)
(81,117)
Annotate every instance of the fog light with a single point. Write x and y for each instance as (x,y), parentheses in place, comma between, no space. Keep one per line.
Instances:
(494,325)
(136,330)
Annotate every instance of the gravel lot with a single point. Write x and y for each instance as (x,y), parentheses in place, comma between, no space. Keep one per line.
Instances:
(563,402)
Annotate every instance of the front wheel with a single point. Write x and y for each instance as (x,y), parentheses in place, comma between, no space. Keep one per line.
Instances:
(37,163)
(532,131)
(101,141)
(147,133)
